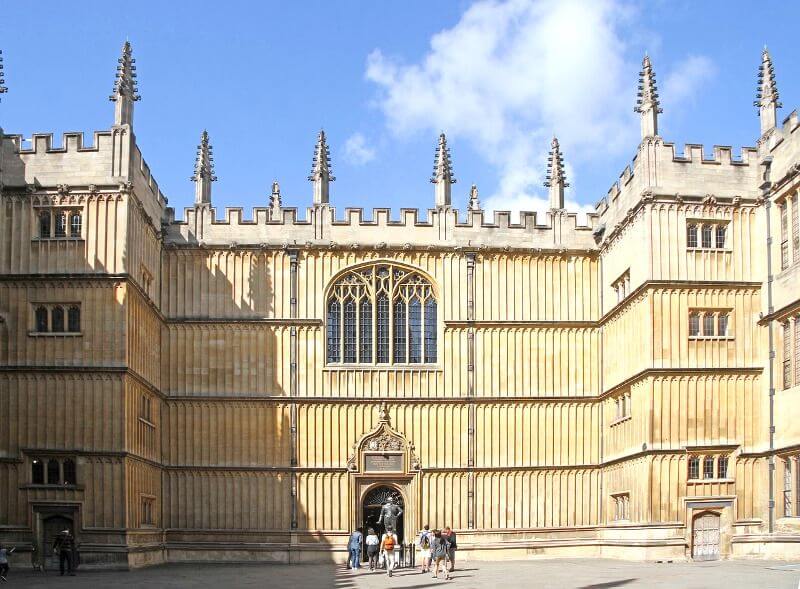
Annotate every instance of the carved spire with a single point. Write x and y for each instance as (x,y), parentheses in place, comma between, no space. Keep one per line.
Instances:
(275,203)
(203,171)
(125,91)
(647,103)
(3,89)
(321,171)
(556,179)
(474,204)
(442,173)
(767,93)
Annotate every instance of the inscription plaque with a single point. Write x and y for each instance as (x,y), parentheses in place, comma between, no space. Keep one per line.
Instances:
(383,462)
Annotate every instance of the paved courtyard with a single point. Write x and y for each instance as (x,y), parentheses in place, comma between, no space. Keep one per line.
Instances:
(565,573)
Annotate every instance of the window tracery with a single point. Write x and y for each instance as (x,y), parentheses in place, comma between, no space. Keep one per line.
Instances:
(381,314)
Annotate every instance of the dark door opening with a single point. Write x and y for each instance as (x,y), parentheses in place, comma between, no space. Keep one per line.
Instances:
(50,529)
(371,511)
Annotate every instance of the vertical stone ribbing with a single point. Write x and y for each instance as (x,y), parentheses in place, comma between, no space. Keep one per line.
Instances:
(293,377)
(471,390)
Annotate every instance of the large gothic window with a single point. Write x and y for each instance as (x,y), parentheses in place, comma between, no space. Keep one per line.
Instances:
(381,314)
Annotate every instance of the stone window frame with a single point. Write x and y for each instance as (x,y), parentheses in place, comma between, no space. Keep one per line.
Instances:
(697,467)
(45,315)
(791,485)
(718,318)
(147,509)
(41,470)
(393,293)
(622,403)
(72,225)
(708,235)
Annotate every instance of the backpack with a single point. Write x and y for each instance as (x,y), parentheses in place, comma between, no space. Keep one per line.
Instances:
(425,542)
(388,542)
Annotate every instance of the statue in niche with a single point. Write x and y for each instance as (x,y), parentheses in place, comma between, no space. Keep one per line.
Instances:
(390,511)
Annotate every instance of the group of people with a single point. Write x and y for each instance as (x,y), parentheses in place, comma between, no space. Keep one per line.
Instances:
(437,549)
(63,545)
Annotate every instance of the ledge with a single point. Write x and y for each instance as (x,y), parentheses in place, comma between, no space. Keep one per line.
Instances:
(55,334)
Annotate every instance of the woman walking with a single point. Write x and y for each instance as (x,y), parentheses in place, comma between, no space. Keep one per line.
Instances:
(373,544)
(439,548)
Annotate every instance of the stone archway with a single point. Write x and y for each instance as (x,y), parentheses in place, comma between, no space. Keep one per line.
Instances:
(371,504)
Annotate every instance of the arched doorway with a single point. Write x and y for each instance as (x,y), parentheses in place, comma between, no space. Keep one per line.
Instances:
(705,536)
(371,509)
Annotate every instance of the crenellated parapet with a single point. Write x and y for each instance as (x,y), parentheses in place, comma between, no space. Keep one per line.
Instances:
(441,227)
(110,159)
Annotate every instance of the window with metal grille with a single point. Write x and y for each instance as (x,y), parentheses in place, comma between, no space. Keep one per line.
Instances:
(57,320)
(386,305)
(722,324)
(787,487)
(797,349)
(707,233)
(334,320)
(148,508)
(45,224)
(75,223)
(708,324)
(708,467)
(694,467)
(350,339)
(61,224)
(41,319)
(431,330)
(722,467)
(74,319)
(691,235)
(720,236)
(784,235)
(694,324)
(365,321)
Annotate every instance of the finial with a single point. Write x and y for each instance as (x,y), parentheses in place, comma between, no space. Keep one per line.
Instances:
(647,102)
(383,412)
(556,179)
(321,170)
(767,93)
(275,201)
(442,173)
(474,204)
(3,89)
(126,91)
(203,171)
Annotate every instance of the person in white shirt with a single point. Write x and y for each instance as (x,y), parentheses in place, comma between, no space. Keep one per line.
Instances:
(388,544)
(424,544)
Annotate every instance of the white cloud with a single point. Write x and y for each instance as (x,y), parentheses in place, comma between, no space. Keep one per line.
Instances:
(356,150)
(512,73)
(684,83)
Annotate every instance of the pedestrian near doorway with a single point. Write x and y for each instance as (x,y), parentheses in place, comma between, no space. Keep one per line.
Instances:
(451,548)
(373,545)
(424,544)
(354,546)
(388,544)
(4,553)
(64,546)
(439,547)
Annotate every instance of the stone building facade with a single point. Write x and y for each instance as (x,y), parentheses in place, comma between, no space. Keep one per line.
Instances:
(233,388)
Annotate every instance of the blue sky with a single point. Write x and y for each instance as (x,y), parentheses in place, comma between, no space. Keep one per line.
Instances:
(383,78)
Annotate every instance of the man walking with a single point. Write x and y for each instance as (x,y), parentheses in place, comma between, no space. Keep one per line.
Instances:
(451,548)
(388,542)
(354,546)
(64,546)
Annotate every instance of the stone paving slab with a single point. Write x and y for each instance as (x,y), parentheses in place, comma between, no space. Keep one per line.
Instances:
(556,574)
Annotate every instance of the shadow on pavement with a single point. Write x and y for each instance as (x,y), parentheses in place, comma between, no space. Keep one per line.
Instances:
(609,584)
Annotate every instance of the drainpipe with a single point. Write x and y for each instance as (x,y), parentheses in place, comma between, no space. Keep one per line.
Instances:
(765,194)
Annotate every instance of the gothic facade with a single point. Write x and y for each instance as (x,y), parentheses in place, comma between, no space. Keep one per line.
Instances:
(229,387)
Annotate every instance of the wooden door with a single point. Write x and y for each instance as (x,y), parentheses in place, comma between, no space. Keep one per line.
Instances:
(705,542)
(52,526)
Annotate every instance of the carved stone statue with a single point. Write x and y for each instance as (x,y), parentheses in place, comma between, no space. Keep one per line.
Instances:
(390,511)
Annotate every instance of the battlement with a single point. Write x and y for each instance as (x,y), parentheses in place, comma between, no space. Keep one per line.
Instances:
(445,226)
(109,158)
(694,153)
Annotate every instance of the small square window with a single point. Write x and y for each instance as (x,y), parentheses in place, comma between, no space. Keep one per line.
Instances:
(708,467)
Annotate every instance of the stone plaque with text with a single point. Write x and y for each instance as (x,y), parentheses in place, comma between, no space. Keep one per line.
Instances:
(383,462)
